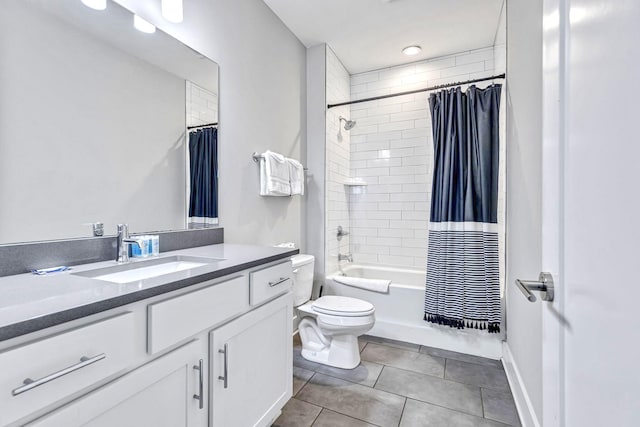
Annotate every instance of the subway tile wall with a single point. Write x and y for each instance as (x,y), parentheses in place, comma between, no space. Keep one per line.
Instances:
(391,148)
(202,105)
(337,161)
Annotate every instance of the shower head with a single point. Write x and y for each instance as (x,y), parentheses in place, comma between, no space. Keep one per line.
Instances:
(348,124)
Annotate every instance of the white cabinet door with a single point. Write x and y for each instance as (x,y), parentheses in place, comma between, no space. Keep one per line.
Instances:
(253,385)
(159,394)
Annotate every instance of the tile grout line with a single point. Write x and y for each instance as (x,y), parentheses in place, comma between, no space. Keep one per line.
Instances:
(443,377)
(337,412)
(379,375)
(317,416)
(303,385)
(424,401)
(341,413)
(402,413)
(428,403)
(422,373)
(398,347)
(444,372)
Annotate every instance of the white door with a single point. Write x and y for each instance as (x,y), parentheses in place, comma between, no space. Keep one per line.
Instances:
(591,202)
(251,366)
(159,394)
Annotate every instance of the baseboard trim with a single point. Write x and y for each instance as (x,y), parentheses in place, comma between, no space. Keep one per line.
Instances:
(520,396)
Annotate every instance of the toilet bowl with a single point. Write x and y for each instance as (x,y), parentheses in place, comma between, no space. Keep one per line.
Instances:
(330,328)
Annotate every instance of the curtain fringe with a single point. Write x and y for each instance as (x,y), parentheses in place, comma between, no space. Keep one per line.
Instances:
(490,327)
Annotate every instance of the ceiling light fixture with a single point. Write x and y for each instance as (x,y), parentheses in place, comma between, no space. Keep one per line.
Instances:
(172,10)
(142,25)
(95,4)
(411,50)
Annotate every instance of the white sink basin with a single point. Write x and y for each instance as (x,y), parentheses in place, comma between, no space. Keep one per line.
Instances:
(141,270)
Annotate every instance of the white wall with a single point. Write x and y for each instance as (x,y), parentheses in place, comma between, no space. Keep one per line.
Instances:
(315,212)
(262,106)
(392,150)
(60,166)
(500,43)
(337,160)
(524,226)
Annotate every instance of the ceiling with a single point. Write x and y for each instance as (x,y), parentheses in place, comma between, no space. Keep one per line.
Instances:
(370,34)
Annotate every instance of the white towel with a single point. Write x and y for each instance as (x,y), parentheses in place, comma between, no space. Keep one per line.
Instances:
(274,175)
(296,176)
(375,285)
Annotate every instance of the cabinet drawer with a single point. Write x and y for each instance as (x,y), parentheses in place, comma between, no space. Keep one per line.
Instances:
(270,282)
(181,317)
(63,364)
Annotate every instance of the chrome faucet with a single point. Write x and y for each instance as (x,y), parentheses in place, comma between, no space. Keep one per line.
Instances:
(345,257)
(122,244)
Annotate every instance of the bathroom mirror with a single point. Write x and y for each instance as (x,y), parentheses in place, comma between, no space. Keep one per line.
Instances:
(93,121)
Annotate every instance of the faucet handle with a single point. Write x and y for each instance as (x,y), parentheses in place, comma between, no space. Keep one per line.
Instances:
(98,228)
(341,233)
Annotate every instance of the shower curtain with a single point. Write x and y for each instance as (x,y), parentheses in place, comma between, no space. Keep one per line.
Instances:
(203,162)
(463,283)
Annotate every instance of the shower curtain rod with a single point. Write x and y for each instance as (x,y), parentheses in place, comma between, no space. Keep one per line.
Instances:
(202,126)
(375,98)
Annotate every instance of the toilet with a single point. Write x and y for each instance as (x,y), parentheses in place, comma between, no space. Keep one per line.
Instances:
(330,326)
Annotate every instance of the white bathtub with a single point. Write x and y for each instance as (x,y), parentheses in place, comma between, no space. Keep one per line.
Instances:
(399,313)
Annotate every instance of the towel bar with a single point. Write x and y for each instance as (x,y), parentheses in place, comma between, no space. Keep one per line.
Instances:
(257,156)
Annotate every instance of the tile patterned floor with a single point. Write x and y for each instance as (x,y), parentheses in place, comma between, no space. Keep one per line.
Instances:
(400,385)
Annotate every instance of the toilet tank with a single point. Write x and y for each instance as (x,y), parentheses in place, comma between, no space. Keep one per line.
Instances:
(302,278)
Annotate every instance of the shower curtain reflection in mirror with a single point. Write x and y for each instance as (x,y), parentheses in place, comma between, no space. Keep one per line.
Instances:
(203,179)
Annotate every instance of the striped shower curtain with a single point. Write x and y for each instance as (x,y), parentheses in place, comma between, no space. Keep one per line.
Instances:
(463,282)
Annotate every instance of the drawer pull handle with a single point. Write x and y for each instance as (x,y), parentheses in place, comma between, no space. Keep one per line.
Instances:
(200,396)
(225,377)
(282,280)
(29,384)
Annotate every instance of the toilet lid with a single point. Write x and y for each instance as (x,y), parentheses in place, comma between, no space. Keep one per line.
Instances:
(342,306)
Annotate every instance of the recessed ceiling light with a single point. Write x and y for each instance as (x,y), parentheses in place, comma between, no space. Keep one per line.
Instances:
(142,25)
(95,4)
(411,50)
(172,10)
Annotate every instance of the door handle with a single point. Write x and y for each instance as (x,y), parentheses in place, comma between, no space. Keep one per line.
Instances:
(544,285)
(225,377)
(200,396)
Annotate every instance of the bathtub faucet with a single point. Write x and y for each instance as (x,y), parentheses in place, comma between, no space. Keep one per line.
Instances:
(346,257)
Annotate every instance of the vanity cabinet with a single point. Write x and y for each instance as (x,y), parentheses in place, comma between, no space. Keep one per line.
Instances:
(161,393)
(216,354)
(251,366)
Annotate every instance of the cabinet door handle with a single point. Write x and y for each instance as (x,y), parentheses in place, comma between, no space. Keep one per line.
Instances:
(29,384)
(200,395)
(225,377)
(276,283)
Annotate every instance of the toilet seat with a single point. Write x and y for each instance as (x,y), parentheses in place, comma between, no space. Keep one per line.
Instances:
(334,305)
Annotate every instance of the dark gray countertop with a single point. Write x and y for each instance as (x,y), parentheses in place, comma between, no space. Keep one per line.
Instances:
(29,302)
